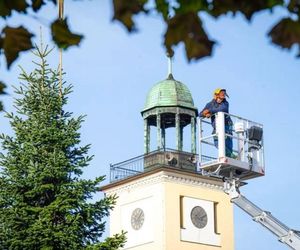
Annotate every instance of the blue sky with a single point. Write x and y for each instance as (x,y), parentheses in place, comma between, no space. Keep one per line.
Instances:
(113,71)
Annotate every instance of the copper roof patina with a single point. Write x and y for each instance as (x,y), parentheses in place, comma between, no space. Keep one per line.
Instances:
(168,93)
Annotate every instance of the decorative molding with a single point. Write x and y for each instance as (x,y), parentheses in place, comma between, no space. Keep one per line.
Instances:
(193,181)
(169,109)
(143,181)
(166,176)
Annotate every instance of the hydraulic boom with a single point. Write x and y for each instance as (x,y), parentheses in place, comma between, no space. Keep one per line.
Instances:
(285,235)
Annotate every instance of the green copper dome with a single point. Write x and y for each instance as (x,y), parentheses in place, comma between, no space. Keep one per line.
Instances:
(169,92)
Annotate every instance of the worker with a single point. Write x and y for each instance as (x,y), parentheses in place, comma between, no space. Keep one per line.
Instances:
(220,104)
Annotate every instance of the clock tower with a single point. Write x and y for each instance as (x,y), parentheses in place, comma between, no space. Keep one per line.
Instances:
(172,209)
(164,203)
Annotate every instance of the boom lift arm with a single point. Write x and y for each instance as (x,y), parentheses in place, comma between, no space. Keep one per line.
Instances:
(285,235)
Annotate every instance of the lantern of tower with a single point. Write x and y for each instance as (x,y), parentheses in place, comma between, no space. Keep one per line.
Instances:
(169,104)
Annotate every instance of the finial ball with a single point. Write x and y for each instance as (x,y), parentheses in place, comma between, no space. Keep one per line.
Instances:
(170,53)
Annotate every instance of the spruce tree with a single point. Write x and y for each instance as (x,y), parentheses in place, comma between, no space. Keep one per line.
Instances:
(44,202)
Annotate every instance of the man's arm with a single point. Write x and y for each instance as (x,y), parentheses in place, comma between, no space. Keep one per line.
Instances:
(206,111)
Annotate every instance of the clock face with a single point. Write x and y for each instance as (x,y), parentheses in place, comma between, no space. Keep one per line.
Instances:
(137,218)
(199,217)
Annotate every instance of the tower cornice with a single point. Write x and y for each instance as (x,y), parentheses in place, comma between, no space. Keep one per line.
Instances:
(163,174)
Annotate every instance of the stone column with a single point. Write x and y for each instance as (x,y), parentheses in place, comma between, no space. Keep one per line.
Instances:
(163,135)
(146,137)
(193,135)
(181,138)
(178,136)
(158,124)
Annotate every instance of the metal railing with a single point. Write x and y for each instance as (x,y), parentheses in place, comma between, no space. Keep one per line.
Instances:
(126,168)
(159,158)
(246,139)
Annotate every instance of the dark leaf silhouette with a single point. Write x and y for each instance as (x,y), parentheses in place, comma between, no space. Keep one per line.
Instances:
(62,35)
(192,6)
(124,10)
(162,6)
(7,6)
(14,41)
(246,7)
(37,4)
(180,16)
(2,87)
(294,7)
(286,33)
(187,28)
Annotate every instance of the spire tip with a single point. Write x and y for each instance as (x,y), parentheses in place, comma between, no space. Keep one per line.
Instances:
(170,56)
